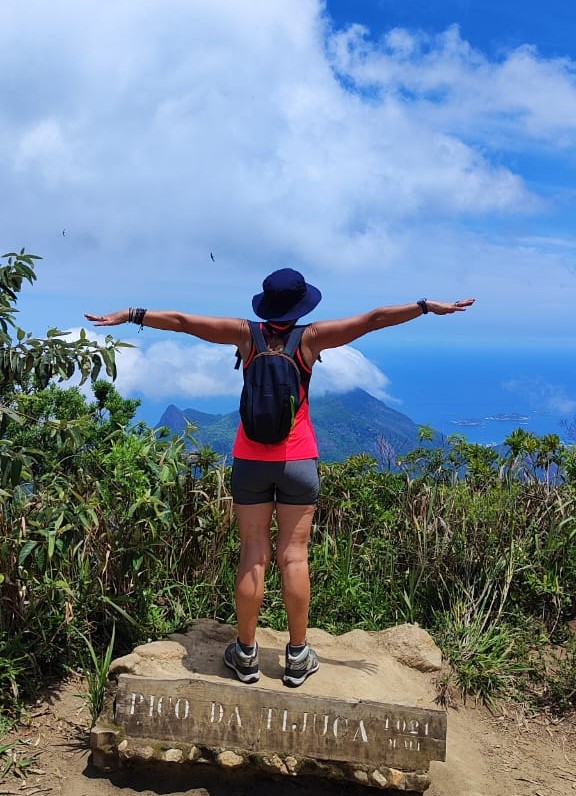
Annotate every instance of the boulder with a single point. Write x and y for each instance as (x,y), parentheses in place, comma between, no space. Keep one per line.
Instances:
(412,646)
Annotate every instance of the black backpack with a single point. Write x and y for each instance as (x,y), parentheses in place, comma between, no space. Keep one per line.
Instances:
(271,393)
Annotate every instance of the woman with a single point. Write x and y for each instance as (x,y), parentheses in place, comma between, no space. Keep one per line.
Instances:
(282,478)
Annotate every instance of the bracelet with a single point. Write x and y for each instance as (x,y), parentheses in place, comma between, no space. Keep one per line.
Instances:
(136,315)
(423,306)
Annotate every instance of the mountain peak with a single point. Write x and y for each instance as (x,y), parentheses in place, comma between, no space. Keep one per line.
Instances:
(346,424)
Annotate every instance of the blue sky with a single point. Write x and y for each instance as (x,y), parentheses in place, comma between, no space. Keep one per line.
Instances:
(390,150)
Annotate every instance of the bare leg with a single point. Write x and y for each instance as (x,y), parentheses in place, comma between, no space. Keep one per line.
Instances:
(294,525)
(254,526)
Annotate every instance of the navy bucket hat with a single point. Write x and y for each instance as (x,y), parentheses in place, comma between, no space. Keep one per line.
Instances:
(286,296)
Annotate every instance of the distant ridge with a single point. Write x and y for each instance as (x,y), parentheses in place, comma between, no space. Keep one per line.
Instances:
(346,424)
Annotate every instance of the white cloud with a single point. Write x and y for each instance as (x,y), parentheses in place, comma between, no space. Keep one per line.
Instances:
(157,132)
(175,369)
(443,81)
(543,396)
(344,369)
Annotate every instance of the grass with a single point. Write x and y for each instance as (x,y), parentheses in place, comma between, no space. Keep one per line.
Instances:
(16,760)
(96,670)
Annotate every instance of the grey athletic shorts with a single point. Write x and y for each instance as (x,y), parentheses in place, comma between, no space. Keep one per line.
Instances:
(296,483)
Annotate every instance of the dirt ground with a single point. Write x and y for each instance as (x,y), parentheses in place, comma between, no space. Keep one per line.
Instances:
(487,755)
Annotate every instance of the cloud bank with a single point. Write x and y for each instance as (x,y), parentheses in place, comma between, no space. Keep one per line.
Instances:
(155,133)
(177,370)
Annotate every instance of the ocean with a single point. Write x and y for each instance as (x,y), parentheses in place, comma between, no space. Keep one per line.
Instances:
(483,393)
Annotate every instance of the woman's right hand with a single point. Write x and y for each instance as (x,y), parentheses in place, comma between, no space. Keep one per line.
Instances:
(111,319)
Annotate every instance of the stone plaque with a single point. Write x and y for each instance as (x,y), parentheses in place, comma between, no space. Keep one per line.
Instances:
(235,716)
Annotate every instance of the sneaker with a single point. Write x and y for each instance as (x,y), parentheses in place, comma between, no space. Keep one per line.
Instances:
(299,667)
(245,666)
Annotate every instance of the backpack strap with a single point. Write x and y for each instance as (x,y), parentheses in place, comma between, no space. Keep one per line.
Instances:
(294,340)
(258,339)
(260,342)
(258,336)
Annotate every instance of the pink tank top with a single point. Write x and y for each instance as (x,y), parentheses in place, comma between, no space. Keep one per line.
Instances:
(301,442)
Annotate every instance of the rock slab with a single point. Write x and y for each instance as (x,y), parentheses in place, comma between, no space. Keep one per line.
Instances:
(342,730)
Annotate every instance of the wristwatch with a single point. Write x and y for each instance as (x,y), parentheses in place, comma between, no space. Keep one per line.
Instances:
(423,306)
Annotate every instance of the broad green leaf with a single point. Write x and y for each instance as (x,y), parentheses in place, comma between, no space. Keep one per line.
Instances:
(27,548)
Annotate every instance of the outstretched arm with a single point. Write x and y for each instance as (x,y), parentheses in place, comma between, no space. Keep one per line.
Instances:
(331,334)
(234,331)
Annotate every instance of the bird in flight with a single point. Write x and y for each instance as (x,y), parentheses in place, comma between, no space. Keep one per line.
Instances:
(212,257)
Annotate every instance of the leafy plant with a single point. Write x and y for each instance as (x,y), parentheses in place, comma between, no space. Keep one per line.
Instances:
(96,670)
(489,661)
(12,667)
(15,760)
